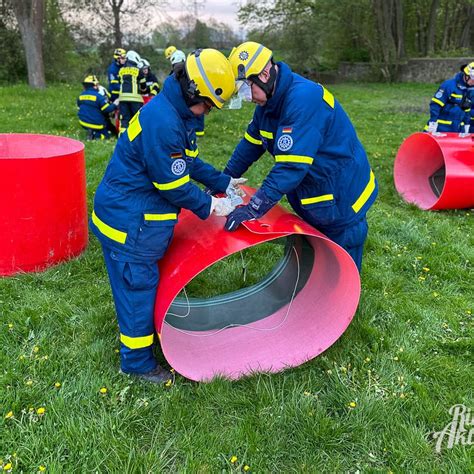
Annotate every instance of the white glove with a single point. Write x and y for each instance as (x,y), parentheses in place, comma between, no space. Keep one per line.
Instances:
(465,133)
(116,102)
(234,187)
(221,206)
(432,127)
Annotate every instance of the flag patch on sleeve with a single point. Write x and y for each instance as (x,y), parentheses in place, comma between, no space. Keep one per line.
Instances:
(177,154)
(287,130)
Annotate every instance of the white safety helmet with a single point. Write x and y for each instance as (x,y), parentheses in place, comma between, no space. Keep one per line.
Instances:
(145,63)
(133,57)
(177,57)
(469,70)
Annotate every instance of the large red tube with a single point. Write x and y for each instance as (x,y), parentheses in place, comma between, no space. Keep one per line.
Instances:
(436,172)
(292,333)
(43,195)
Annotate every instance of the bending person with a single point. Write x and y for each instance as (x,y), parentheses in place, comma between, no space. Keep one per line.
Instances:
(146,183)
(320,164)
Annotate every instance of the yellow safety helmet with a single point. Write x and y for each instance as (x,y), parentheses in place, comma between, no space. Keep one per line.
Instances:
(249,59)
(119,53)
(91,79)
(469,70)
(212,75)
(169,51)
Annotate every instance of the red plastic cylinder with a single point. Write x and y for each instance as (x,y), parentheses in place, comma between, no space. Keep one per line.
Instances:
(292,334)
(44,211)
(421,157)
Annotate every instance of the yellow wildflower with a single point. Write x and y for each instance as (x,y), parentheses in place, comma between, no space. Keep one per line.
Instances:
(9,415)
(7,466)
(36,349)
(307,394)
(57,385)
(40,411)
(233,459)
(246,468)
(352,404)
(367,360)
(42,468)
(426,269)
(10,326)
(169,383)
(29,382)
(103,390)
(435,294)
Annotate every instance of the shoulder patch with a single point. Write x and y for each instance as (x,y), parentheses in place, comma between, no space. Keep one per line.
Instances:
(178,166)
(439,94)
(285,142)
(177,154)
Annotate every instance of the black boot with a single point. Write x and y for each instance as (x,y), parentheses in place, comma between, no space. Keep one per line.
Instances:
(158,375)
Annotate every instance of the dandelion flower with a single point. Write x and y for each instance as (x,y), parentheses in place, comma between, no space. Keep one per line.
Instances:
(57,385)
(246,468)
(352,404)
(40,411)
(395,358)
(169,383)
(7,466)
(103,390)
(426,269)
(36,349)
(10,326)
(41,468)
(29,382)
(307,394)
(9,415)
(233,459)
(367,360)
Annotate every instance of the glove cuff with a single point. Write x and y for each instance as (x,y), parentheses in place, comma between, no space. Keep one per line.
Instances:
(260,204)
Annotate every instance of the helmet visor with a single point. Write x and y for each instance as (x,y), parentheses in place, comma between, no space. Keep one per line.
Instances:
(244,90)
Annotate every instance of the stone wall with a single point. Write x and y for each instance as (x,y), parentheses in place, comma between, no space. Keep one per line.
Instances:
(414,70)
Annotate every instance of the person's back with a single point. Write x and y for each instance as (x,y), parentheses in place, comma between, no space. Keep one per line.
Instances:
(93,109)
(113,73)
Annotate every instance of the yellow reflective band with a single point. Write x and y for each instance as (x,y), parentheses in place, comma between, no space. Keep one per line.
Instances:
(250,139)
(114,81)
(265,134)
(200,134)
(445,122)
(294,159)
(134,127)
(136,342)
(108,231)
(458,96)
(328,97)
(161,217)
(315,199)
(88,97)
(91,125)
(105,106)
(467,110)
(363,198)
(434,99)
(192,153)
(173,185)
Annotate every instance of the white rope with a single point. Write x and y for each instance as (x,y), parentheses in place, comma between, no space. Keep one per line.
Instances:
(195,334)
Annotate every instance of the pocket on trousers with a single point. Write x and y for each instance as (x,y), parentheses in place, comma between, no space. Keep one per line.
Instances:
(155,236)
(141,276)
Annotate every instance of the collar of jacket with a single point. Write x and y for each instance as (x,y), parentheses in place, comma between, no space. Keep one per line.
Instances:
(172,91)
(460,80)
(283,83)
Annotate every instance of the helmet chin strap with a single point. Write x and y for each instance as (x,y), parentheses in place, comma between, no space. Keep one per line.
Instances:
(188,88)
(266,87)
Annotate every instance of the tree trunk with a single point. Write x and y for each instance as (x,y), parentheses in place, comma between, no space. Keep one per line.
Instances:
(399,29)
(431,36)
(30,17)
(116,6)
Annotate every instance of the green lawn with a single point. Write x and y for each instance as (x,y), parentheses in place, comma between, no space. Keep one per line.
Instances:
(367,404)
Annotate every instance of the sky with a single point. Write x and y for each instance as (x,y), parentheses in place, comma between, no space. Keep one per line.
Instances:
(221,10)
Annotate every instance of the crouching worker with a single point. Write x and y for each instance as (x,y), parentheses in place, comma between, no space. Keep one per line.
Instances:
(94,109)
(147,182)
(320,163)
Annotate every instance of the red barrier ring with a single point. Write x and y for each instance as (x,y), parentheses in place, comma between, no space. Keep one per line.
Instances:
(436,172)
(43,191)
(296,313)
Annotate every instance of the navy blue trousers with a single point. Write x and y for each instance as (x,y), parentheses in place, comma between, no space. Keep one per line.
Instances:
(134,284)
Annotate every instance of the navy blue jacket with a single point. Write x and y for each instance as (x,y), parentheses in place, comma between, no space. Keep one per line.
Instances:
(449,106)
(113,78)
(93,109)
(148,179)
(317,155)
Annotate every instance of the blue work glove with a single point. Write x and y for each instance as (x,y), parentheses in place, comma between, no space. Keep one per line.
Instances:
(256,208)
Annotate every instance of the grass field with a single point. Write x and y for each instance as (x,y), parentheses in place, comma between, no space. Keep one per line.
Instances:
(368,404)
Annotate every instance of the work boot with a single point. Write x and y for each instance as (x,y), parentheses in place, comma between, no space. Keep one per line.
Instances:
(158,375)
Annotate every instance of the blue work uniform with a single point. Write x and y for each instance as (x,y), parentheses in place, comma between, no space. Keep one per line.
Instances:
(93,112)
(320,163)
(449,107)
(471,108)
(136,206)
(200,126)
(113,78)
